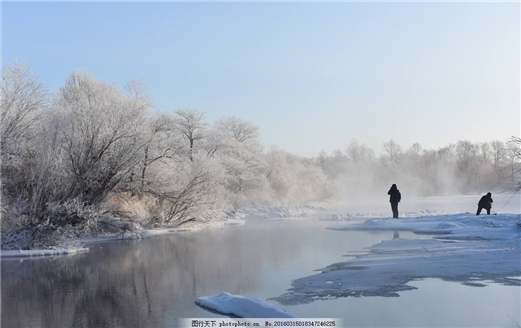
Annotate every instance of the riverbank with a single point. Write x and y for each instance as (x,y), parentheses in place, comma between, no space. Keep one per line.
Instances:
(211,219)
(153,281)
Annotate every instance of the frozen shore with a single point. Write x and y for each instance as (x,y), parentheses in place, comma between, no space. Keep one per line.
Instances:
(465,248)
(368,215)
(43,252)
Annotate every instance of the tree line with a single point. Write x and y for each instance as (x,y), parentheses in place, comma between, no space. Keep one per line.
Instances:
(91,150)
(459,168)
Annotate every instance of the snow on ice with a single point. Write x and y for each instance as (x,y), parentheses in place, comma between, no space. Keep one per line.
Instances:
(241,306)
(466,248)
(43,252)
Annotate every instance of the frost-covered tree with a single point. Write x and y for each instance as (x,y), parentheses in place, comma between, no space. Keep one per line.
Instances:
(23,104)
(238,129)
(513,155)
(101,135)
(215,141)
(244,168)
(357,152)
(498,155)
(392,154)
(322,160)
(186,187)
(162,141)
(412,157)
(297,180)
(447,154)
(485,150)
(22,100)
(192,125)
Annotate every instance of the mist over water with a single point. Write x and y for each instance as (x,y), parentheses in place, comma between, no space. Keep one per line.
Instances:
(357,173)
(414,205)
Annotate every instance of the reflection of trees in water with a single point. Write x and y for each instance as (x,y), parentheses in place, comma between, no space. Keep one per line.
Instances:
(135,283)
(72,292)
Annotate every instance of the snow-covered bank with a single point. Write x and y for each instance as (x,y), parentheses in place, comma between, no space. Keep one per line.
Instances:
(210,219)
(241,306)
(467,248)
(363,215)
(411,206)
(43,252)
(460,226)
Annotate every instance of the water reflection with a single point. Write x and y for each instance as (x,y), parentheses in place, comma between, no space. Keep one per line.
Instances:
(152,282)
(129,284)
(148,283)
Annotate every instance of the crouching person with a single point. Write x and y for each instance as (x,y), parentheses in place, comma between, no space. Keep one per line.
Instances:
(485,203)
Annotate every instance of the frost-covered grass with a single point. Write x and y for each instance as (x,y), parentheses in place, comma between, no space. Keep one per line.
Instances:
(241,306)
(465,248)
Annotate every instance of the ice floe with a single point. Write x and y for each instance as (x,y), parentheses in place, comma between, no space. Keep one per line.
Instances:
(466,248)
(241,306)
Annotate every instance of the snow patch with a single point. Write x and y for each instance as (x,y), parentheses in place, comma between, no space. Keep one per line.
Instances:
(366,215)
(241,306)
(42,252)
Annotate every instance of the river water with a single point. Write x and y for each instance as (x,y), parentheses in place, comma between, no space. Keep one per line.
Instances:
(153,282)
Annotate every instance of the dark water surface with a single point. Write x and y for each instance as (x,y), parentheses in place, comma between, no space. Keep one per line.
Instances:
(152,282)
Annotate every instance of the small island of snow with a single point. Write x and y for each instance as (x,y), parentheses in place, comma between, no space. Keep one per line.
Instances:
(241,306)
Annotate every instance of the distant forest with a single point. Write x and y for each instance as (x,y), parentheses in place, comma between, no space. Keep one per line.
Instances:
(92,149)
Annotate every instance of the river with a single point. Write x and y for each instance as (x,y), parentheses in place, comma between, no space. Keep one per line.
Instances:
(153,282)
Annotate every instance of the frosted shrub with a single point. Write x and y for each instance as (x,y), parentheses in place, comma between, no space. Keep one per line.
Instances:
(60,223)
(186,188)
(73,212)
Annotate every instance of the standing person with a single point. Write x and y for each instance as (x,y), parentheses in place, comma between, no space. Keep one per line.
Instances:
(394,199)
(485,203)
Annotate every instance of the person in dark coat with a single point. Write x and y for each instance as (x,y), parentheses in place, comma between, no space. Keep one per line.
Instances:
(485,203)
(395,198)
